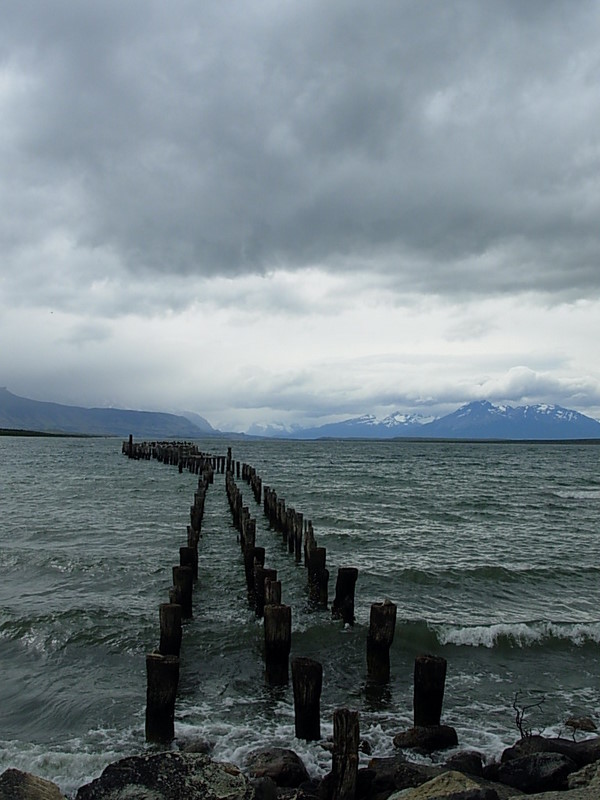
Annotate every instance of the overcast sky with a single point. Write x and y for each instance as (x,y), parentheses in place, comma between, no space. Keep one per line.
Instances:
(299,211)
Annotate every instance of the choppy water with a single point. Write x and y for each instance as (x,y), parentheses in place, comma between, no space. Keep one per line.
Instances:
(490,551)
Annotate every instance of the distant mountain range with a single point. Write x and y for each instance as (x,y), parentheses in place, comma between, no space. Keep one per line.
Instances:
(476,420)
(23,414)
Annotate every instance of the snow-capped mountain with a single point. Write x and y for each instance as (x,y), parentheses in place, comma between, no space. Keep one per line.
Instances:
(477,420)
(367,426)
(483,420)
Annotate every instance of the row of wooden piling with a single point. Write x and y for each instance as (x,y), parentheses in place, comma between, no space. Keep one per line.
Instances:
(264,591)
(299,537)
(184,455)
(162,665)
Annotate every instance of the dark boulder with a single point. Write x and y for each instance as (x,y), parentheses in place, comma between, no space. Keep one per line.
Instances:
(582,753)
(392,773)
(467,761)
(539,772)
(283,766)
(427,738)
(18,785)
(168,776)
(264,789)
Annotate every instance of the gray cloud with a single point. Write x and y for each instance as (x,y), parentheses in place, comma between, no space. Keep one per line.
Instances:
(232,138)
(305,187)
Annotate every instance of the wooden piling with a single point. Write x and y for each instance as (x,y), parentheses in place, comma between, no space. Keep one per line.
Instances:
(307,679)
(278,641)
(170,629)
(318,577)
(188,557)
(344,763)
(382,625)
(429,683)
(260,575)
(183,579)
(272,592)
(162,674)
(343,605)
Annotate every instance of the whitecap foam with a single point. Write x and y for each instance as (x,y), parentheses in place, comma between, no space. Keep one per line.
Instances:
(74,762)
(520,634)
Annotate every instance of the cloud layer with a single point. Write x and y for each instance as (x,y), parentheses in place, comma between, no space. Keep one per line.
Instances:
(300,210)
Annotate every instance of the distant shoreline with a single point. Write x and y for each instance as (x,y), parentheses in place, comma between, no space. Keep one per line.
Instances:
(21,432)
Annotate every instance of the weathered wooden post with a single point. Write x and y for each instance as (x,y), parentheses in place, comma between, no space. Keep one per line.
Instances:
(188,557)
(309,542)
(382,625)
(307,679)
(344,763)
(278,642)
(343,605)
(318,576)
(130,446)
(298,535)
(183,580)
(162,674)
(252,556)
(170,629)
(260,574)
(272,592)
(429,683)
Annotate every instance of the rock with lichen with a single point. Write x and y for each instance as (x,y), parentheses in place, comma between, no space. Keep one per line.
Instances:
(168,776)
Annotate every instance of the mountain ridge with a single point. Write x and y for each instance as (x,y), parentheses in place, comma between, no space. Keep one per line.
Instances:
(37,415)
(479,419)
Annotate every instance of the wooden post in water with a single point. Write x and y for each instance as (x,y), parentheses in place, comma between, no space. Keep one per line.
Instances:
(344,763)
(260,575)
(343,605)
(183,579)
(170,629)
(278,642)
(272,592)
(162,674)
(382,625)
(309,542)
(429,683)
(307,679)
(188,557)
(318,576)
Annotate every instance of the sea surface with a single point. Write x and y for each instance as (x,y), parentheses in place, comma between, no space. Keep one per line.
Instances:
(490,551)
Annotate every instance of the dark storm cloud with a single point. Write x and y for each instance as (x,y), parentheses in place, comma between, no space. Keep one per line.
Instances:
(452,147)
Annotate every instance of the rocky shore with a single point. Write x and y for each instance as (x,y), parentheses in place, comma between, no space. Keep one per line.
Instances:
(543,768)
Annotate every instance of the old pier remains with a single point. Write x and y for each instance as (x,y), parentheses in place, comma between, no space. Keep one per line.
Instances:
(265,592)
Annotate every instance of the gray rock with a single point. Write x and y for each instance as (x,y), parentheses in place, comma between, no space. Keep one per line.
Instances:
(395,772)
(195,746)
(427,738)
(168,776)
(264,789)
(586,776)
(583,785)
(448,786)
(17,785)
(585,724)
(466,761)
(539,772)
(283,766)
(582,753)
